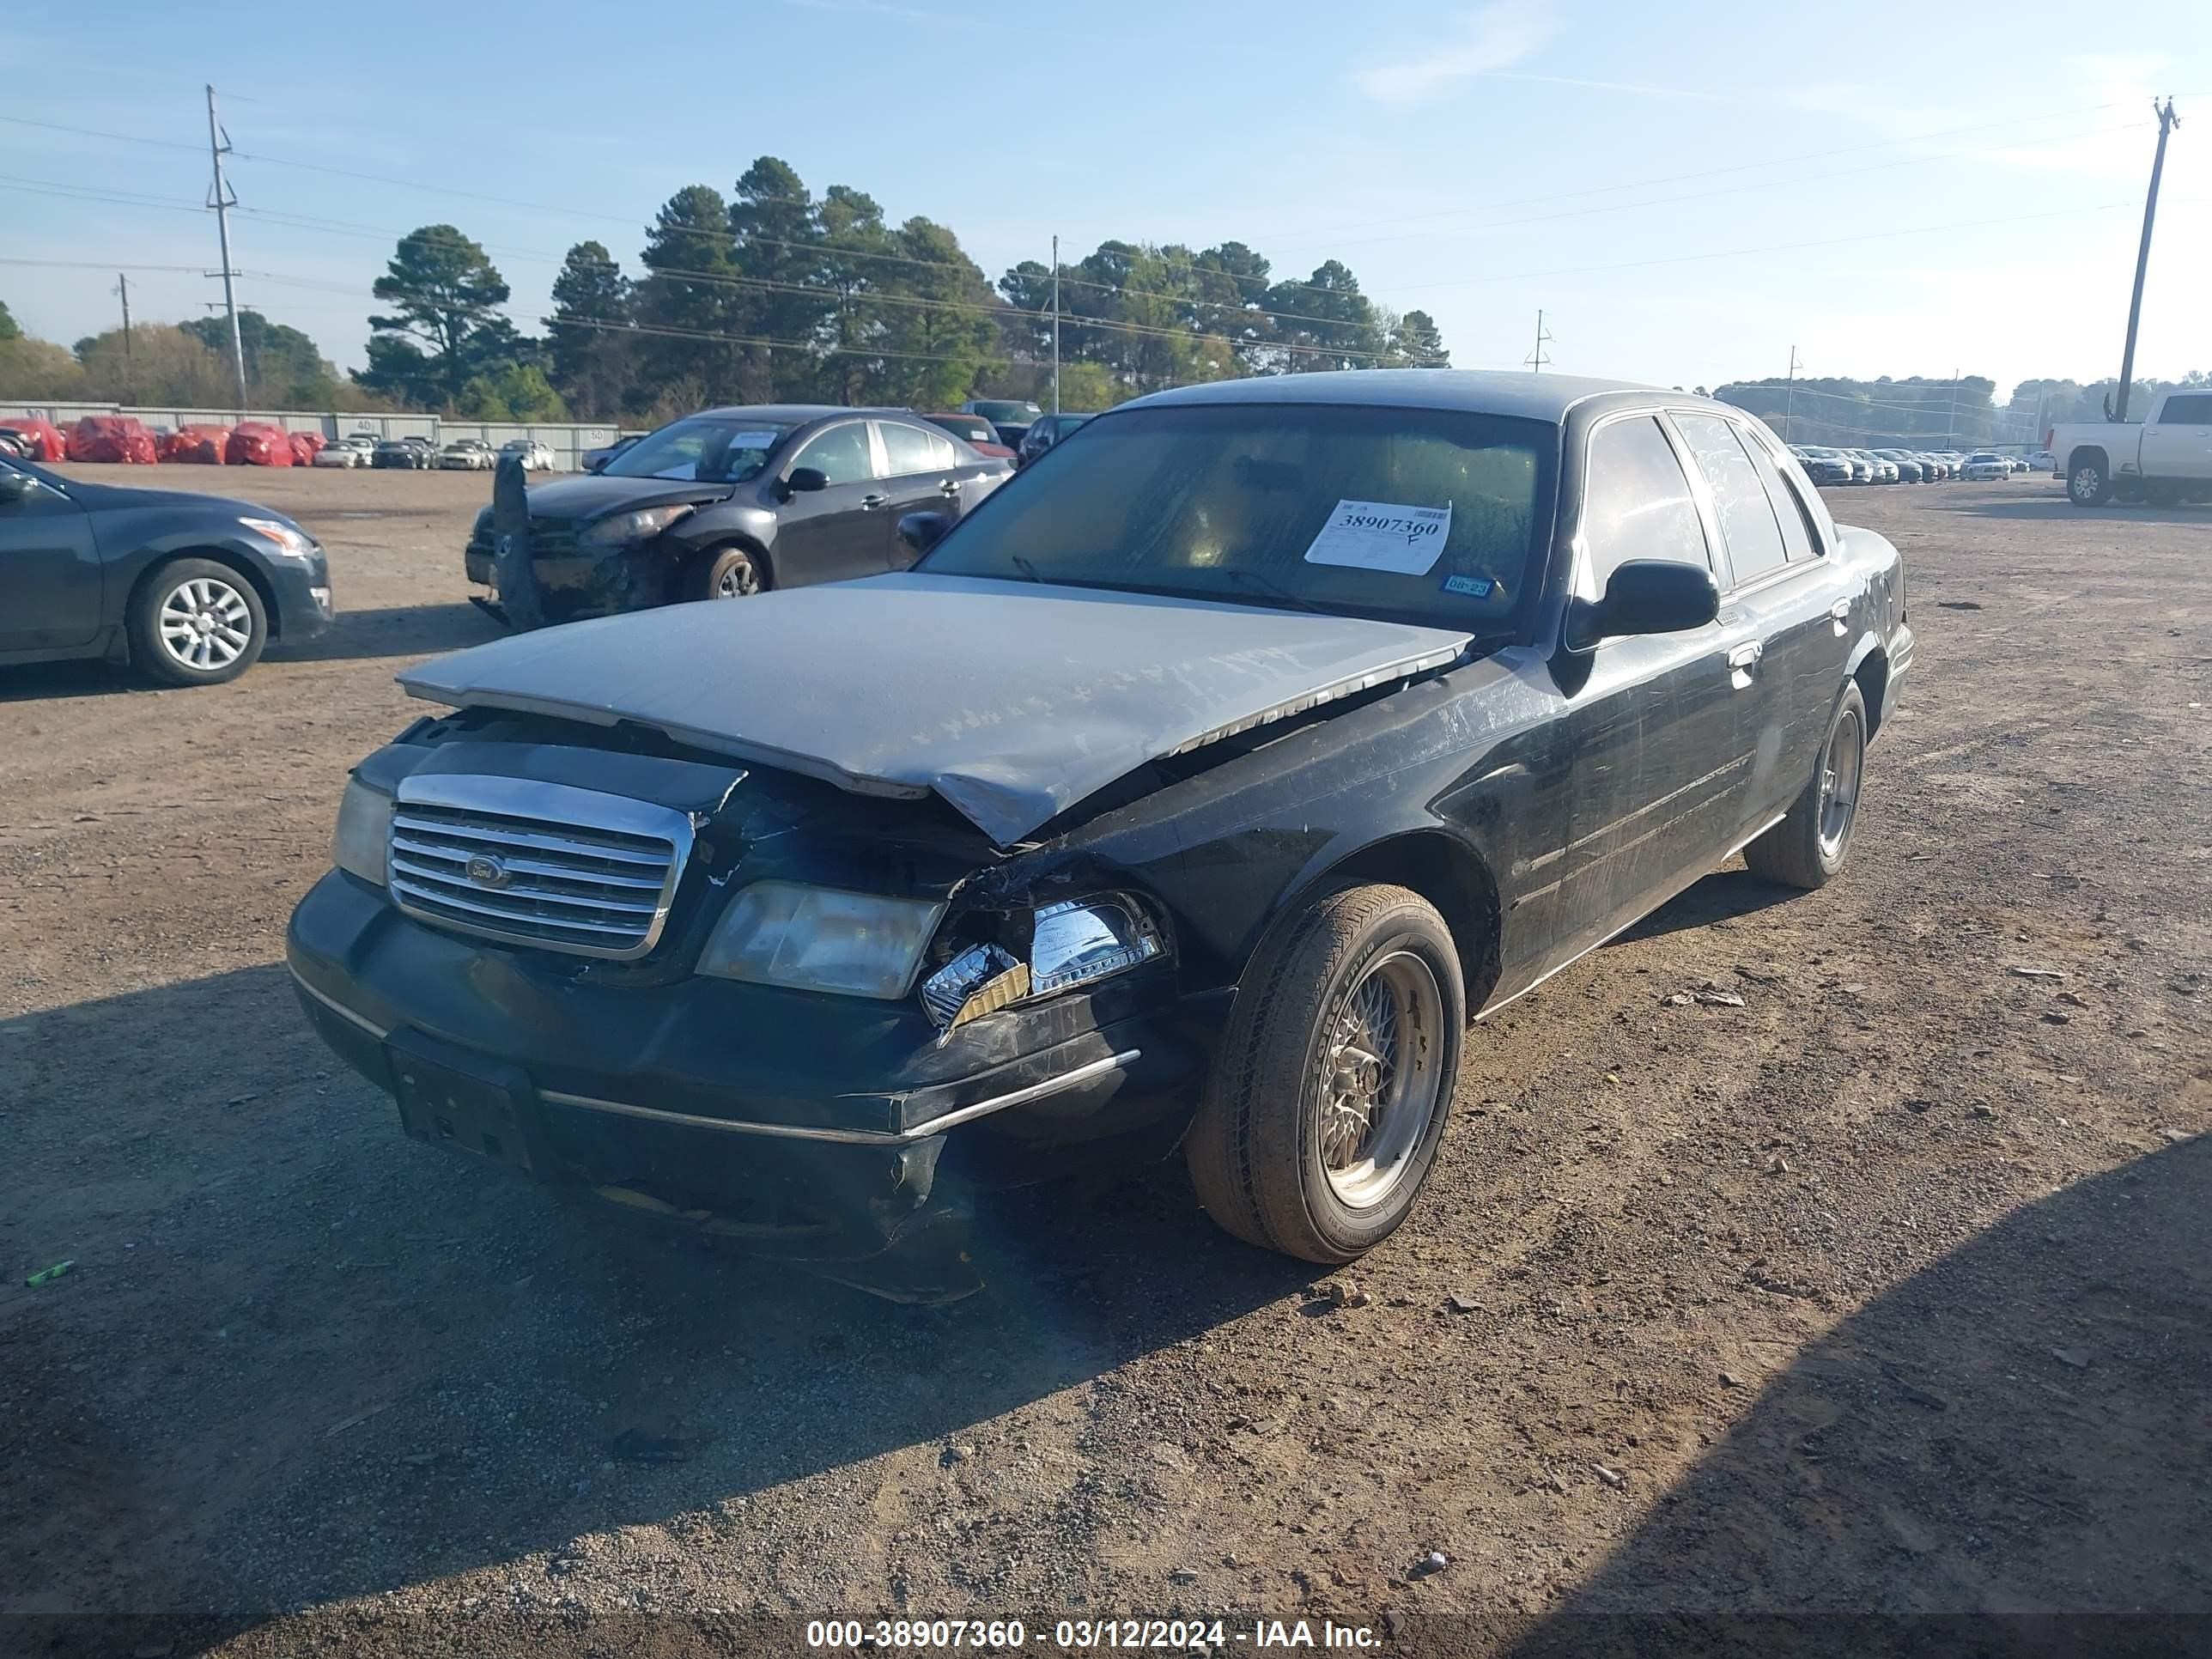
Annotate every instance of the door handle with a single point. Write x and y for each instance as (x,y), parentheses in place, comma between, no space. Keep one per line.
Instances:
(870,503)
(1746,655)
(949,487)
(1840,610)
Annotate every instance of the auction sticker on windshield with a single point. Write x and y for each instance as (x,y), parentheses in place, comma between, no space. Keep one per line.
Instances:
(1405,541)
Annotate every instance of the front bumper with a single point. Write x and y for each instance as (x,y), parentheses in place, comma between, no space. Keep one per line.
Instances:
(823,1128)
(304,608)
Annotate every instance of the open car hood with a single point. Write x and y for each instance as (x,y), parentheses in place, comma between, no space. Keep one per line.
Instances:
(1012,701)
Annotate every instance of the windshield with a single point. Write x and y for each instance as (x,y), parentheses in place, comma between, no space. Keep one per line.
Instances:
(1012,414)
(1421,515)
(711,449)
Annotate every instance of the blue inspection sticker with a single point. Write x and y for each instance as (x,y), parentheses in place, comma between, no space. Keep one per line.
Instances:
(1475,588)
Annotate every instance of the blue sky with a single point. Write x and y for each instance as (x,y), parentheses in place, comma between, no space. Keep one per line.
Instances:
(1899,188)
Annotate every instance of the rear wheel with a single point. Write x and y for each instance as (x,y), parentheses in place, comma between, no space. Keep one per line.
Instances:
(1321,1118)
(1811,843)
(196,622)
(2089,484)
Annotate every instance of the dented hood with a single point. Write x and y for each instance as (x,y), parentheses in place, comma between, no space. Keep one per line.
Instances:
(1013,701)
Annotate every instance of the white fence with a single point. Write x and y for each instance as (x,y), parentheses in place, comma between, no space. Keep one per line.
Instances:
(567,441)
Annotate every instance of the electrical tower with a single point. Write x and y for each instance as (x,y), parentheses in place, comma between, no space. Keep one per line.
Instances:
(221,200)
(2167,123)
(1534,361)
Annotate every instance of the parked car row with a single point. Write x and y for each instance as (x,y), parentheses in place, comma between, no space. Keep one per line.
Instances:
(1828,464)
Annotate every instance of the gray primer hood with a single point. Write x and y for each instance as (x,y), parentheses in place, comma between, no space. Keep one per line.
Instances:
(1012,701)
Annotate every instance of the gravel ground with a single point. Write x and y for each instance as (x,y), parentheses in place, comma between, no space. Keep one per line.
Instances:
(1885,1292)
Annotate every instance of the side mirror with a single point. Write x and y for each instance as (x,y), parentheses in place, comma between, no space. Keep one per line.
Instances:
(923,530)
(14,486)
(1646,596)
(595,462)
(806,480)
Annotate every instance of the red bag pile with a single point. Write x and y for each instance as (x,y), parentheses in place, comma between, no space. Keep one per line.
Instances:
(47,443)
(111,438)
(196,445)
(305,445)
(258,443)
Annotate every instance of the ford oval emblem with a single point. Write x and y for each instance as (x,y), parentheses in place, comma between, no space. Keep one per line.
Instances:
(487,872)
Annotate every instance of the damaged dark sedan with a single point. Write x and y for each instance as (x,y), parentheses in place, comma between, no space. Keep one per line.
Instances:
(722,505)
(1200,792)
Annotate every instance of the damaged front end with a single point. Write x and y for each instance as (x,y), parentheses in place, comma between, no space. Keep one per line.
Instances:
(734,1001)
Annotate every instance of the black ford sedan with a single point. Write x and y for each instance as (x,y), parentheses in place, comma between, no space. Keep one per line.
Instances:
(1203,790)
(187,588)
(733,503)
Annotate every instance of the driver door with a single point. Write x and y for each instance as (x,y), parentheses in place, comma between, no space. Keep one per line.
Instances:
(50,568)
(832,534)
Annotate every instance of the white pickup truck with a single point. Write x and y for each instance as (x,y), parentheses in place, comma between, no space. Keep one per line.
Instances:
(2167,458)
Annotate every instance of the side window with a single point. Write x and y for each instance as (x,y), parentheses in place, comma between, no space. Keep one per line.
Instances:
(1749,523)
(908,449)
(1636,502)
(946,457)
(841,454)
(2194,410)
(1800,541)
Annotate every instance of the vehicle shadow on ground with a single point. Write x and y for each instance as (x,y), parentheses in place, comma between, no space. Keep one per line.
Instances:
(1721,896)
(356,636)
(2016,1437)
(386,1364)
(394,631)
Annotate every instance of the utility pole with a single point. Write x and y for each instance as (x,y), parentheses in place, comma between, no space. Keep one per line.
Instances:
(220,199)
(1789,396)
(2167,123)
(1534,361)
(1055,324)
(130,375)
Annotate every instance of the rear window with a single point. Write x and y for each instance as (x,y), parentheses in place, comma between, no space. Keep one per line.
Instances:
(1420,515)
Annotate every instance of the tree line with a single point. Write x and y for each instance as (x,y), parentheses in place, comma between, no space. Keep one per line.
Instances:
(773,293)
(1917,413)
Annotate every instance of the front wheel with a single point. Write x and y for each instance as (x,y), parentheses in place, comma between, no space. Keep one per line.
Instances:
(730,573)
(196,622)
(1810,844)
(1321,1118)
(2089,484)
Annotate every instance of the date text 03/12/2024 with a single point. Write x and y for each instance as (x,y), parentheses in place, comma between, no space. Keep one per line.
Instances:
(1086,1635)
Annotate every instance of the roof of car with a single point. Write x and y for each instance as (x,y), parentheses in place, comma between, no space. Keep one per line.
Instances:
(795,414)
(1489,391)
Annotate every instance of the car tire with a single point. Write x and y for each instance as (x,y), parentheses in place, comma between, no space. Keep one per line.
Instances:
(1311,1138)
(1810,844)
(730,573)
(194,622)
(2089,484)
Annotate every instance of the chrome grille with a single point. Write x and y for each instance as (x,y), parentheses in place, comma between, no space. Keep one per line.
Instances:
(540,864)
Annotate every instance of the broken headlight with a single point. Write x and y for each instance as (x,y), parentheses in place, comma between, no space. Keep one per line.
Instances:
(641,526)
(364,825)
(822,939)
(1074,943)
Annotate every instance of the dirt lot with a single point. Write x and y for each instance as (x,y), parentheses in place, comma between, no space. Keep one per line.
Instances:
(1887,1292)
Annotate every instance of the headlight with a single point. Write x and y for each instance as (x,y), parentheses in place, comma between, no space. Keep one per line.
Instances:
(641,526)
(364,827)
(819,938)
(1077,942)
(297,543)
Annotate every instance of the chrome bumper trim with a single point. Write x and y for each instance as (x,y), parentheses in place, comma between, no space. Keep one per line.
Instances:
(1084,1073)
(339,1008)
(939,1125)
